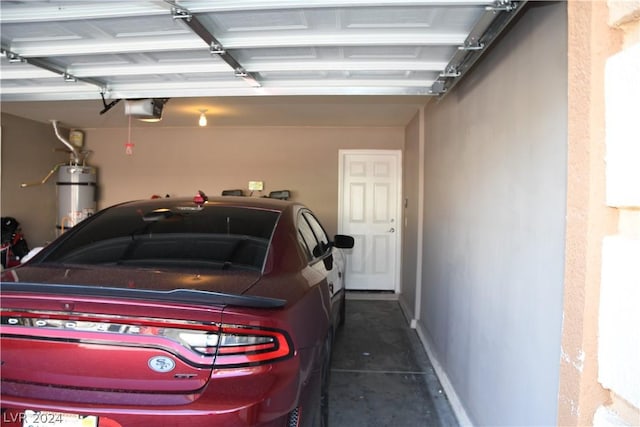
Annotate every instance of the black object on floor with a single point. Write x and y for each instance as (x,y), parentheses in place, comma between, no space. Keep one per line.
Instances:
(381,375)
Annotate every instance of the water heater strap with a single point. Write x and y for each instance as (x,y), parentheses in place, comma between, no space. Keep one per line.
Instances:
(76,183)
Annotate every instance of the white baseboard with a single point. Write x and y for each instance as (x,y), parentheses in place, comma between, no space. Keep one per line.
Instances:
(454,400)
(371,296)
(408,314)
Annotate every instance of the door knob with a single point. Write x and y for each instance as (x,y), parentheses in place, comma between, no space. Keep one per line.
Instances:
(392,230)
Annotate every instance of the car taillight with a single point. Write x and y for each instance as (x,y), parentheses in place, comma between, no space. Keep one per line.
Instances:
(242,346)
(220,346)
(203,343)
(234,345)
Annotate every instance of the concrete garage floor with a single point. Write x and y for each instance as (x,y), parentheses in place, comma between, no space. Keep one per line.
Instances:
(380,374)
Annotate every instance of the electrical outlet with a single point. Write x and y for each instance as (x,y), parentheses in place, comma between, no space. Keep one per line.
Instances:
(256,185)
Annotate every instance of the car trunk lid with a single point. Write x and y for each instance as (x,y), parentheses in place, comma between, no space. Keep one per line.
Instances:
(124,338)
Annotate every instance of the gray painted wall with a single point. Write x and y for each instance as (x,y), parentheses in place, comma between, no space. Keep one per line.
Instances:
(410,175)
(495,194)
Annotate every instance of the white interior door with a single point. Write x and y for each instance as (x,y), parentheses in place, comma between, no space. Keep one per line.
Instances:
(369,210)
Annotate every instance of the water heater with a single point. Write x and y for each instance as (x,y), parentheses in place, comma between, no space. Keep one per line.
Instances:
(76,188)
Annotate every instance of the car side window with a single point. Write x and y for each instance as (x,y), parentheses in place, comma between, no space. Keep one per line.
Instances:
(318,231)
(306,237)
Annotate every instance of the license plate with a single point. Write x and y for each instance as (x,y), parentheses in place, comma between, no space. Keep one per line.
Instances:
(57,419)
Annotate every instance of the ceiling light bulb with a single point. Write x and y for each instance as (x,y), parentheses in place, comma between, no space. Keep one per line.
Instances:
(203,119)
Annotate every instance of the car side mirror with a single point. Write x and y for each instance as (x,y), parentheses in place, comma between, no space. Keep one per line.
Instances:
(343,241)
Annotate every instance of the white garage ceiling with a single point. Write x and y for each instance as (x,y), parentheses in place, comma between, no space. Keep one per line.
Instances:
(402,52)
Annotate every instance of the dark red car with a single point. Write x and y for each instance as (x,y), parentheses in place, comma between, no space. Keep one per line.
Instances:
(175,312)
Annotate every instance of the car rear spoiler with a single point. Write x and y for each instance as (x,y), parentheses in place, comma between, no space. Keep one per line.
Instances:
(189,296)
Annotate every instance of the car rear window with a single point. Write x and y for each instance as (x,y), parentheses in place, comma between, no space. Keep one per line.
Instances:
(214,237)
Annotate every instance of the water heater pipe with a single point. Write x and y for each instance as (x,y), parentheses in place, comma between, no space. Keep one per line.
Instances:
(76,157)
(45,179)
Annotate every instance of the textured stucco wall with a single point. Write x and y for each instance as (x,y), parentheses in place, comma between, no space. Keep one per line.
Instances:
(590,41)
(619,317)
